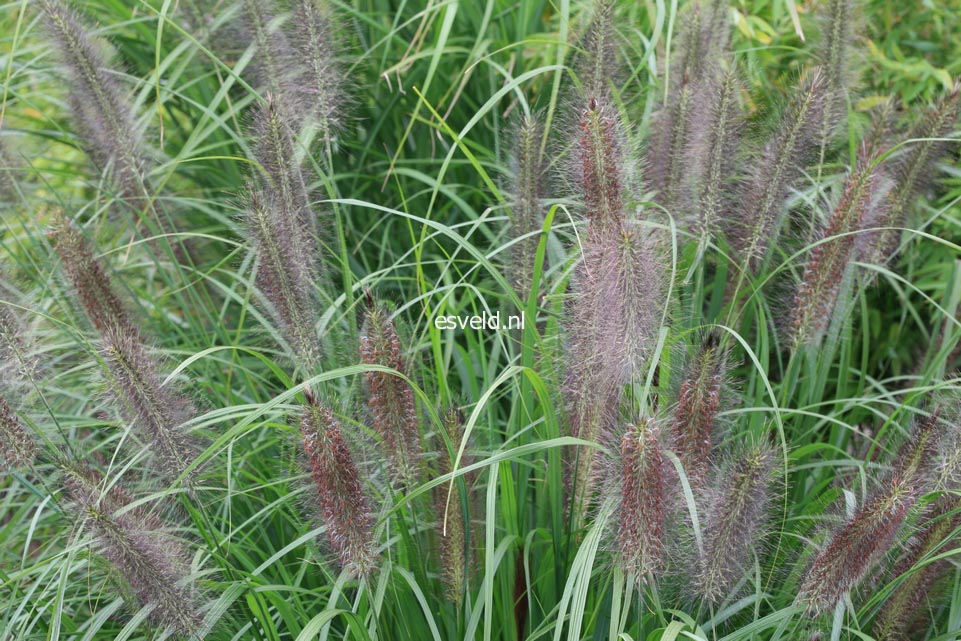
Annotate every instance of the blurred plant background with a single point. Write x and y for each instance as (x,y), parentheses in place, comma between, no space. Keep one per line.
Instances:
(227,412)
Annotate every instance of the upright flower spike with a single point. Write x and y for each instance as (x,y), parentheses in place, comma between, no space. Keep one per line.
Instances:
(156,411)
(453,540)
(601,167)
(835,58)
(644,500)
(392,405)
(699,401)
(344,506)
(829,265)
(525,211)
(906,603)
(19,450)
(282,280)
(856,546)
(315,43)
(598,67)
(276,66)
(89,279)
(131,540)
(737,509)
(912,171)
(779,167)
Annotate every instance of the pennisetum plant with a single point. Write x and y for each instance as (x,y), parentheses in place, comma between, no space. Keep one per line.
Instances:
(525,210)
(453,535)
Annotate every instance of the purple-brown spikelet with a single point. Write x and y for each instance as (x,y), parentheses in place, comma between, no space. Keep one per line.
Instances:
(156,411)
(276,66)
(18,448)
(89,279)
(912,172)
(132,540)
(284,282)
(696,415)
(101,109)
(344,506)
(392,406)
(905,604)
(601,164)
(778,168)
(453,551)
(737,509)
(644,499)
(321,88)
(526,211)
(854,548)
(835,59)
(830,263)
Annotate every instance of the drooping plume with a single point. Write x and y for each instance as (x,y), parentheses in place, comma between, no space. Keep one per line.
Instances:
(830,265)
(645,492)
(696,415)
(856,546)
(148,559)
(89,279)
(778,169)
(736,512)
(18,448)
(452,533)
(525,211)
(912,171)
(156,411)
(321,88)
(344,506)
(392,405)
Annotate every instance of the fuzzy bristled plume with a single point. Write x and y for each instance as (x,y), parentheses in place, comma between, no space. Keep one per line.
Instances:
(779,167)
(597,66)
(736,511)
(696,413)
(344,506)
(18,448)
(835,59)
(89,279)
(912,171)
(133,541)
(286,283)
(617,290)
(452,533)
(525,211)
(156,410)
(863,539)
(830,263)
(644,501)
(321,87)
(276,67)
(392,405)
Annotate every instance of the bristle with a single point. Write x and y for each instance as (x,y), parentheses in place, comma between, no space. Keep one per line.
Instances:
(156,411)
(856,546)
(316,44)
(912,171)
(641,535)
(695,417)
(282,280)
(829,263)
(19,449)
(345,507)
(146,558)
(600,163)
(276,67)
(907,600)
(89,279)
(598,68)
(392,405)
(102,111)
(452,533)
(737,509)
(779,167)
(525,211)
